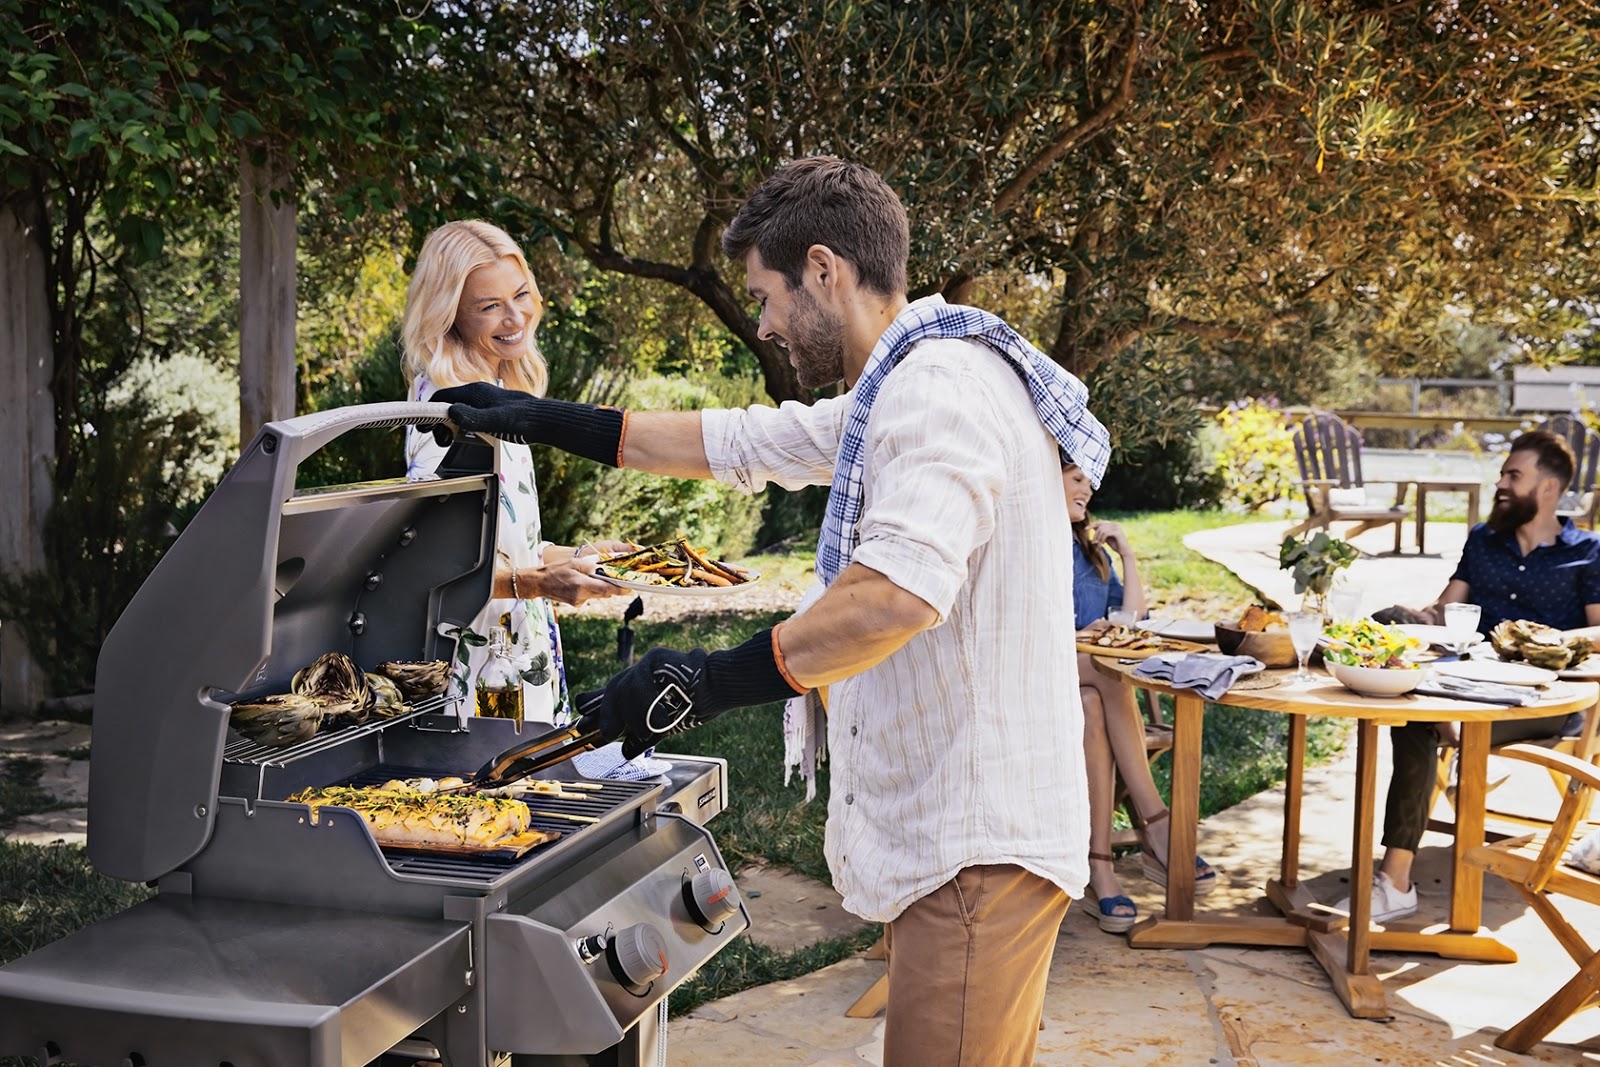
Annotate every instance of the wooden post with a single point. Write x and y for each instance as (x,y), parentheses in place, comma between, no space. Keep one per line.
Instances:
(27,439)
(266,294)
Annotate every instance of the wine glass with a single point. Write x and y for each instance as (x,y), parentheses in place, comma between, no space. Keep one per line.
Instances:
(1304,629)
(1461,625)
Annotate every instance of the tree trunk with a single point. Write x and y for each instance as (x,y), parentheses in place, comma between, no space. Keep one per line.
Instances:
(27,437)
(266,294)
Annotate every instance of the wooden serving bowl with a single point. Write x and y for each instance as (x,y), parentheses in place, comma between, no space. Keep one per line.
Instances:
(1271,647)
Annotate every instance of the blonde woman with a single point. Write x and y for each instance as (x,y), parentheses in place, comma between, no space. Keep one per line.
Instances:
(1113,731)
(471,311)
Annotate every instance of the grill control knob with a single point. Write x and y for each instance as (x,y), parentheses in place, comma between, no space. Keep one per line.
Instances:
(711,898)
(637,955)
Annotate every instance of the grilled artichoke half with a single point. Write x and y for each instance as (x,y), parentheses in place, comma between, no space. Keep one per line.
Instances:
(418,679)
(275,721)
(387,701)
(1542,646)
(338,684)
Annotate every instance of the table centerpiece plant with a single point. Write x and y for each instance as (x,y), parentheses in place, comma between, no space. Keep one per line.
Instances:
(1313,563)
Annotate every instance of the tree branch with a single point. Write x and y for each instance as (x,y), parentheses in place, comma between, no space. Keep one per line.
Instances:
(1070,139)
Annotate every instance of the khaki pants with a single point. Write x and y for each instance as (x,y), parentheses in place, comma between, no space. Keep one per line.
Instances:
(967,970)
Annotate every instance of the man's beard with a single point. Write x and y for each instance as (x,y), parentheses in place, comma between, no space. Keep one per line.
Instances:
(816,342)
(1511,512)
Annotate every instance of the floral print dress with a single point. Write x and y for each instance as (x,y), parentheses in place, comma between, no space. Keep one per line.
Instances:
(531,622)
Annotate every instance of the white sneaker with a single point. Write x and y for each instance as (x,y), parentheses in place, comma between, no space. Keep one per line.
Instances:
(1388,903)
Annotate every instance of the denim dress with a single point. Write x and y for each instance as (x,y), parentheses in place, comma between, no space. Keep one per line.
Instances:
(1093,597)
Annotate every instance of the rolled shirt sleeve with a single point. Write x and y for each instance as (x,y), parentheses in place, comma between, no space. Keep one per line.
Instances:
(792,445)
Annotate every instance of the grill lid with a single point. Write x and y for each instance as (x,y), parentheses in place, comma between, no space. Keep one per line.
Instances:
(261,582)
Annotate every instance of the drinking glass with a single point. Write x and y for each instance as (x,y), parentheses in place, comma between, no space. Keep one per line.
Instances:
(1304,629)
(1461,624)
(1121,617)
(1346,604)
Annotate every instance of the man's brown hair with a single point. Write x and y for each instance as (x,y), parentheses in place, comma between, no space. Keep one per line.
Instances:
(1551,452)
(822,200)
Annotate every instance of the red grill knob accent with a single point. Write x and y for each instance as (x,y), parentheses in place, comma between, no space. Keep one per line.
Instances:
(711,898)
(637,955)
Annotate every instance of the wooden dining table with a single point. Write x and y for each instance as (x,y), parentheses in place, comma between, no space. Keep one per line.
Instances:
(1342,946)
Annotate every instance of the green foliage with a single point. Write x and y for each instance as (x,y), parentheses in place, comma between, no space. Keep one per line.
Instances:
(106,531)
(1256,462)
(1314,561)
(366,455)
(1155,459)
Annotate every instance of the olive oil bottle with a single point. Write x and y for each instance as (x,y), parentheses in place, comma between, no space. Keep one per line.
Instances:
(499,682)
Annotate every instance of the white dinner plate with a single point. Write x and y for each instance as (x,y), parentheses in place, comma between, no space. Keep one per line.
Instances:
(1182,629)
(683,590)
(1587,670)
(1493,670)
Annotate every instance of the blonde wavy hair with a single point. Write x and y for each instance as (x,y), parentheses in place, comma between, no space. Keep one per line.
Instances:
(432,347)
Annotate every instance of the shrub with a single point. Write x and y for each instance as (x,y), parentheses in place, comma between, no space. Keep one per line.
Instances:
(1256,463)
(1146,404)
(107,528)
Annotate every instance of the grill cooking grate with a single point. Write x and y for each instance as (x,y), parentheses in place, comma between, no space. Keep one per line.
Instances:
(611,796)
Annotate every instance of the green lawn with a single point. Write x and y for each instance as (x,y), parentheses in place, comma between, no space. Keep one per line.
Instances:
(50,891)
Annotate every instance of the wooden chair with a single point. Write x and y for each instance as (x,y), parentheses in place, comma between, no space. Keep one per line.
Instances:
(1533,865)
(1328,452)
(1582,498)
(1581,746)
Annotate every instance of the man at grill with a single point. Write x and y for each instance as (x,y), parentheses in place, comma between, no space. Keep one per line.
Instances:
(958,812)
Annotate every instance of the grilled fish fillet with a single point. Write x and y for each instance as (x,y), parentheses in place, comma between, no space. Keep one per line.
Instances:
(414,819)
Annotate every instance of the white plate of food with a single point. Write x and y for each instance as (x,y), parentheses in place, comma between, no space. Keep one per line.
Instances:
(675,568)
(1494,670)
(1182,629)
(669,589)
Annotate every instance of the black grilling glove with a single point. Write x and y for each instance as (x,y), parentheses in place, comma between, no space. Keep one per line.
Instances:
(582,429)
(669,691)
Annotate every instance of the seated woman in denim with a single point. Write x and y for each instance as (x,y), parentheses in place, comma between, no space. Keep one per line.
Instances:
(1113,730)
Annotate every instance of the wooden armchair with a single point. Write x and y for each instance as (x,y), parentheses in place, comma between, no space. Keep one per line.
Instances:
(1328,452)
(1582,746)
(1582,498)
(1533,865)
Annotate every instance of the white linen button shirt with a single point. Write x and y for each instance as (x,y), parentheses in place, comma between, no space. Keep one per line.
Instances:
(965,746)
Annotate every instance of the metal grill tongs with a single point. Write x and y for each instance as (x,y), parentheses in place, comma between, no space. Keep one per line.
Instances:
(529,757)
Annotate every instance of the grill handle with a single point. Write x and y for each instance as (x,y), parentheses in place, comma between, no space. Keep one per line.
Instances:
(305,434)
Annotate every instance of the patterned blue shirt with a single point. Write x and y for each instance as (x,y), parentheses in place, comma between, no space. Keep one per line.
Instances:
(1093,597)
(1552,585)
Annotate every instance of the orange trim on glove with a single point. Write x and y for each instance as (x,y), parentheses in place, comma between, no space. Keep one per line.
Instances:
(783,668)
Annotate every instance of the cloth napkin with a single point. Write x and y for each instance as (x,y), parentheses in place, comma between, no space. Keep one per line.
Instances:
(1480,692)
(607,762)
(1211,673)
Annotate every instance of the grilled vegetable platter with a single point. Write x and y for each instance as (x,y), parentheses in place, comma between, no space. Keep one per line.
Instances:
(1540,645)
(1130,642)
(674,567)
(332,692)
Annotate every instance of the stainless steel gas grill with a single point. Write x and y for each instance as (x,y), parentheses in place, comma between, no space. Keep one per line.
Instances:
(282,938)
